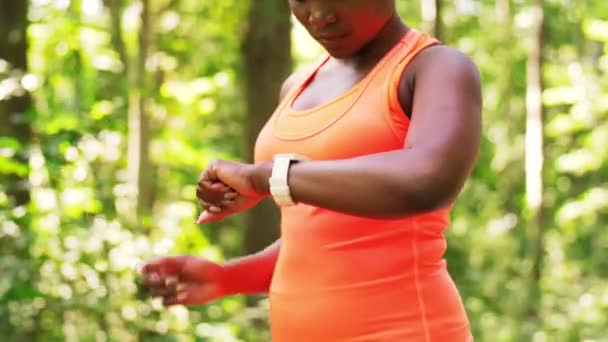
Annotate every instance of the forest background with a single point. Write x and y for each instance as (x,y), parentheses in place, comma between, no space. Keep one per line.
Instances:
(109,110)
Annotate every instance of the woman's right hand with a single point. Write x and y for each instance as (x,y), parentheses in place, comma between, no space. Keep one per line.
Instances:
(219,202)
(185,280)
(226,188)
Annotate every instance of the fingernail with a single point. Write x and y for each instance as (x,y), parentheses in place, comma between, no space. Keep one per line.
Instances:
(171,281)
(182,296)
(215,210)
(230,195)
(181,288)
(219,186)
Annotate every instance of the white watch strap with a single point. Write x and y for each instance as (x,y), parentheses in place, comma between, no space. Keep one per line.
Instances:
(279,188)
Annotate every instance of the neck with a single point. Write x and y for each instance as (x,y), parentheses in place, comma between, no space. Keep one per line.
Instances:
(385,40)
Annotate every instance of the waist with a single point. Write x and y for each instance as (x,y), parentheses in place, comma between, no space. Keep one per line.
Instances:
(406,307)
(322,248)
(354,272)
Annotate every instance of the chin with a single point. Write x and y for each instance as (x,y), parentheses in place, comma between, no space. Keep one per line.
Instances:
(340,53)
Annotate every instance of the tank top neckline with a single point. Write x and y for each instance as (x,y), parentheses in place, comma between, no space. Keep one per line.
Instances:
(407,37)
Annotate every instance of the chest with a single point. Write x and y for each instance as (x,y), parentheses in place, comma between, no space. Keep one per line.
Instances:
(332,83)
(337,113)
(328,84)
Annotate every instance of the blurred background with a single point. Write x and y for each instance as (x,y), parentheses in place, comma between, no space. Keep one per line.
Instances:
(109,110)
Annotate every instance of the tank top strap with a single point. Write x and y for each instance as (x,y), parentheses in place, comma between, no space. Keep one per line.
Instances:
(304,76)
(416,43)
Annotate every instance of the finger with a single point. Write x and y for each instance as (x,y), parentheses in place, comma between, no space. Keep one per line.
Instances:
(204,204)
(182,297)
(209,196)
(181,287)
(231,195)
(163,268)
(227,203)
(152,279)
(211,185)
(207,174)
(214,187)
(170,300)
(215,210)
(191,294)
(178,298)
(163,291)
(213,207)
(219,187)
(222,204)
(149,268)
(171,281)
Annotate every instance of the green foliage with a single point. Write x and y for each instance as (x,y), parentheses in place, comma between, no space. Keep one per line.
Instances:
(67,260)
(489,235)
(68,263)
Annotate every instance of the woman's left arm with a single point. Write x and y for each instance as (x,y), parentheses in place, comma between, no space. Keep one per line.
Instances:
(439,154)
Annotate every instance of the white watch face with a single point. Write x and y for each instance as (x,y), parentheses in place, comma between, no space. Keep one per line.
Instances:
(278,181)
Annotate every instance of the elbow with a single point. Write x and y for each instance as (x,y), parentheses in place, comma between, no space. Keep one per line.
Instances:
(435,190)
(429,200)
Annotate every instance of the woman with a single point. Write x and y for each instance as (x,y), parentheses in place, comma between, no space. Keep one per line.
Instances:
(389,125)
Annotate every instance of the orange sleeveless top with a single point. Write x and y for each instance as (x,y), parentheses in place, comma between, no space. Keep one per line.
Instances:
(346,278)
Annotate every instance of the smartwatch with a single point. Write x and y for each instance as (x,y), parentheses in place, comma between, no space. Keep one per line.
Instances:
(279,189)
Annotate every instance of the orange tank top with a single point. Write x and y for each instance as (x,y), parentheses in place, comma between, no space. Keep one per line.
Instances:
(346,278)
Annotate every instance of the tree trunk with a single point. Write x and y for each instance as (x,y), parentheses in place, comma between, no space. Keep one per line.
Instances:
(115,8)
(16,133)
(504,19)
(13,106)
(267,62)
(534,156)
(140,176)
(432,17)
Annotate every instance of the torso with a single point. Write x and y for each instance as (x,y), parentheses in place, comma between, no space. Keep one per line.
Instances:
(328,284)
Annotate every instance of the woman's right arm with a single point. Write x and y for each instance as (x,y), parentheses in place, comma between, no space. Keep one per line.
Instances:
(251,274)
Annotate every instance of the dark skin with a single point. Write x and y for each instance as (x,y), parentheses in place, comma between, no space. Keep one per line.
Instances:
(440,90)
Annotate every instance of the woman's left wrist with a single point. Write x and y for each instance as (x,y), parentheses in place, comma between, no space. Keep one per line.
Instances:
(260,175)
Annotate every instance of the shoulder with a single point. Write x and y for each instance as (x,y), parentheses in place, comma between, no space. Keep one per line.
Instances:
(293,80)
(437,63)
(442,60)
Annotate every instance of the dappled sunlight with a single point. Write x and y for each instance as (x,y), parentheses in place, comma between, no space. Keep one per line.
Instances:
(596,29)
(169,21)
(92,8)
(107,62)
(69,257)
(502,225)
(10,87)
(592,203)
(307,50)
(578,162)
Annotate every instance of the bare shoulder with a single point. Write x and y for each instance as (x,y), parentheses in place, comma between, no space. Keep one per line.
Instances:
(291,81)
(437,71)
(447,61)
